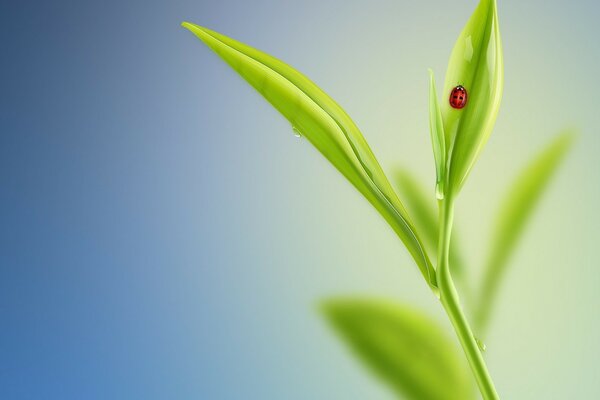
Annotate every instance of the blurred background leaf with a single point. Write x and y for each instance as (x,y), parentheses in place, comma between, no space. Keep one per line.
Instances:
(404,347)
(514,212)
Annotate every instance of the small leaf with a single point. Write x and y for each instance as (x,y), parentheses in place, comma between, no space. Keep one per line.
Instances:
(325,124)
(405,348)
(477,64)
(513,215)
(438,141)
(424,214)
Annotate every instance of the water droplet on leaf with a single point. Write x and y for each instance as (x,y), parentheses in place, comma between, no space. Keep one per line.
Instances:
(297,133)
(439,191)
(468,49)
(481,345)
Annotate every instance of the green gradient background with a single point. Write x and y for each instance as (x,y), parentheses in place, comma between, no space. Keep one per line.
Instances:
(165,235)
(317,237)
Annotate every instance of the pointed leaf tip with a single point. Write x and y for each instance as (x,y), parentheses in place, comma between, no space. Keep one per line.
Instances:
(190,26)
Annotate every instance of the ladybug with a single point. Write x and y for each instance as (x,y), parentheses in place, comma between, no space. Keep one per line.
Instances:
(458,97)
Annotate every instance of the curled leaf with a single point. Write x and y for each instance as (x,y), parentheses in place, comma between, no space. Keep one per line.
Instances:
(326,125)
(476,64)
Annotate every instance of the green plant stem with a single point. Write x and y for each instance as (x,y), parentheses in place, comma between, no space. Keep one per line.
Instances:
(451,303)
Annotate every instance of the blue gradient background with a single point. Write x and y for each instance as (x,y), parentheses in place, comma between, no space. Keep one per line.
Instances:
(163,235)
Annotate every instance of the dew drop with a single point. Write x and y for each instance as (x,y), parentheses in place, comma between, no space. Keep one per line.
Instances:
(439,191)
(296,132)
(468,54)
(481,345)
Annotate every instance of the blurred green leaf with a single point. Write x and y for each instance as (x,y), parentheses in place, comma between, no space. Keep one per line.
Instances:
(402,346)
(320,120)
(424,214)
(514,212)
(438,141)
(477,64)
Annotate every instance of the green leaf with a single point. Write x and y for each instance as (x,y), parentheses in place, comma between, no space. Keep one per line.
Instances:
(477,64)
(424,213)
(514,212)
(402,346)
(322,122)
(438,141)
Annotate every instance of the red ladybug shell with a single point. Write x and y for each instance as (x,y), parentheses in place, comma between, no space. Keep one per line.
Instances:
(458,97)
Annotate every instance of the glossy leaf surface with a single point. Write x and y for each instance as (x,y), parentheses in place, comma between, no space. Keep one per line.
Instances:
(477,64)
(325,124)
